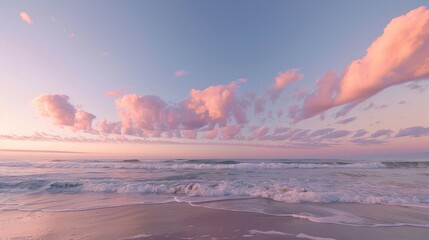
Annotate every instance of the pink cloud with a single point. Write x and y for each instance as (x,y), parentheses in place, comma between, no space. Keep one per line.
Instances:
(230,132)
(142,112)
(219,103)
(212,134)
(189,134)
(259,133)
(107,127)
(26,18)
(283,80)
(319,101)
(180,73)
(58,108)
(399,55)
(117,92)
(215,106)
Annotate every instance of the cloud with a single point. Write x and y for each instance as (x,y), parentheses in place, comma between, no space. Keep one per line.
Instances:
(230,132)
(259,105)
(319,101)
(218,104)
(107,127)
(347,120)
(381,132)
(26,18)
(117,92)
(189,134)
(180,73)
(259,133)
(399,55)
(144,113)
(58,108)
(363,141)
(283,80)
(212,134)
(416,86)
(359,133)
(413,132)
(337,134)
(215,106)
(321,132)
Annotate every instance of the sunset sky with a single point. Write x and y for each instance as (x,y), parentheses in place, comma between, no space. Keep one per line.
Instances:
(214,79)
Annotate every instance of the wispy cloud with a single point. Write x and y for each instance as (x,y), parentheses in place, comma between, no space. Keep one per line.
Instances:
(363,141)
(116,92)
(180,73)
(418,131)
(347,120)
(359,133)
(381,132)
(283,80)
(26,18)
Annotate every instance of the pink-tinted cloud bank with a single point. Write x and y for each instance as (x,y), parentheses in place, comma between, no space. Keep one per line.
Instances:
(399,55)
(63,113)
(214,106)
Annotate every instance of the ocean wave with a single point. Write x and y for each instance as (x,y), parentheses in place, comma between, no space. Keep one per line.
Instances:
(193,191)
(197,165)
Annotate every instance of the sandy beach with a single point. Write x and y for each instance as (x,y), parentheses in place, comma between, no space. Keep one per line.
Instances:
(182,221)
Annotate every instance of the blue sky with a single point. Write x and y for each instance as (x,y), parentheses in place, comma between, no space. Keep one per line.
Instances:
(83,49)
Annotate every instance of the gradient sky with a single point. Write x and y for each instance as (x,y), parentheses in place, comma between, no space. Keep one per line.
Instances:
(218,79)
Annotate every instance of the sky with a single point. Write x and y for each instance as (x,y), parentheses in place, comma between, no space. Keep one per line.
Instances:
(214,79)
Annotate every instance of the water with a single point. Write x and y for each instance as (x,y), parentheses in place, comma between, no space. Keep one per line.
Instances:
(298,188)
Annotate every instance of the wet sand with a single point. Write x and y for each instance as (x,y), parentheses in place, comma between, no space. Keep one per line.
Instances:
(182,221)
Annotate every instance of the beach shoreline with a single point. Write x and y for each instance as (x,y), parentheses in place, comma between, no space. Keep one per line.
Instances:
(182,221)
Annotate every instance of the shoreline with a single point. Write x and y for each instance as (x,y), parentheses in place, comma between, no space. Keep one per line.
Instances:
(183,221)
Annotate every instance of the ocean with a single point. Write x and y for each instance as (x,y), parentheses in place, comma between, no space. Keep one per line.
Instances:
(341,192)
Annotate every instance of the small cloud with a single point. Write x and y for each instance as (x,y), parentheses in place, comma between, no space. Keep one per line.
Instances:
(418,131)
(105,53)
(180,73)
(53,19)
(71,35)
(347,120)
(337,134)
(363,141)
(117,92)
(26,18)
(381,132)
(359,133)
(417,86)
(283,80)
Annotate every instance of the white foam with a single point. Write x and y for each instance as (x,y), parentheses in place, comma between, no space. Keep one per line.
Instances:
(136,236)
(160,165)
(302,235)
(270,232)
